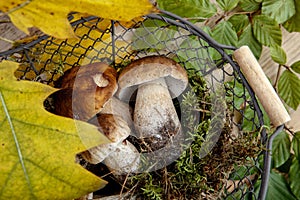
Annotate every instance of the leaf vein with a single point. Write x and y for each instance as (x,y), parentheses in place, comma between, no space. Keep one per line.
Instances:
(16,142)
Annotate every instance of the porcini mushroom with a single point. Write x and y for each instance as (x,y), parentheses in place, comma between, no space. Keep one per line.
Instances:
(120,156)
(85,90)
(115,129)
(157,80)
(124,160)
(116,107)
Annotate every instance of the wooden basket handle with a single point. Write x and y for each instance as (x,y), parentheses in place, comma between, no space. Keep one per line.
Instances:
(261,86)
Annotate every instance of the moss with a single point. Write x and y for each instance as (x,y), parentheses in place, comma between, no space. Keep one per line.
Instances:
(193,176)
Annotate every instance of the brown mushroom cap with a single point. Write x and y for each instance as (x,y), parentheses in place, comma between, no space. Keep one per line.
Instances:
(149,69)
(85,90)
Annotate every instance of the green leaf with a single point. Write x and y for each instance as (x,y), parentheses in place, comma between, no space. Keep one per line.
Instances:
(292,24)
(280,10)
(289,89)
(266,30)
(278,188)
(247,38)
(189,8)
(278,54)
(285,168)
(296,66)
(296,145)
(225,34)
(157,37)
(294,177)
(249,5)
(249,114)
(239,22)
(227,5)
(37,148)
(194,54)
(281,149)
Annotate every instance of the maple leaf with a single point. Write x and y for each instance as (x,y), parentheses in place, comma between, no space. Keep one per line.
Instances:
(37,148)
(51,16)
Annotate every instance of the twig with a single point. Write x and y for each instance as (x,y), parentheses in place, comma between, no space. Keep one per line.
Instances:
(289,130)
(232,185)
(6,40)
(277,77)
(4,21)
(123,185)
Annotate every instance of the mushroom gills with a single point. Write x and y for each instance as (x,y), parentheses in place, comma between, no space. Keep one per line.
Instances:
(154,113)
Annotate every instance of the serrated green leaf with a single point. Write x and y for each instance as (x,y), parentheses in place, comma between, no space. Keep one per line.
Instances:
(249,5)
(247,38)
(278,188)
(239,22)
(193,52)
(189,8)
(152,37)
(296,145)
(296,66)
(266,30)
(289,89)
(285,168)
(280,10)
(281,149)
(278,54)
(227,5)
(225,34)
(294,177)
(292,24)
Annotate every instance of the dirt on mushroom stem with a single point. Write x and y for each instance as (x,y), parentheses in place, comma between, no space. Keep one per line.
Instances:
(153,143)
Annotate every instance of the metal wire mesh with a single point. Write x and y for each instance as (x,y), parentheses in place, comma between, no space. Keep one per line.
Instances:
(118,43)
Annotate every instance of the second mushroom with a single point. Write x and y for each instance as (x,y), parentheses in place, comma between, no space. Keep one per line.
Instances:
(157,80)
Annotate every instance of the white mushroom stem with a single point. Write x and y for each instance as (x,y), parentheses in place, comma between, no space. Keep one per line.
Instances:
(124,160)
(116,129)
(154,112)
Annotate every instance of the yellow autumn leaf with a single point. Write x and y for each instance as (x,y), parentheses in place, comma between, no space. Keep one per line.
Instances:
(37,148)
(51,16)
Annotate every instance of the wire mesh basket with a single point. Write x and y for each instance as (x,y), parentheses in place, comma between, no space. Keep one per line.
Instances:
(165,34)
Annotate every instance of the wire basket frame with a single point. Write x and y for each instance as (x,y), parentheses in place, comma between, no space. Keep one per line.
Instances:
(118,43)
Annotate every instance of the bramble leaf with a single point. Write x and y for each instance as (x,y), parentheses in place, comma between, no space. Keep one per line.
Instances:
(289,89)
(266,30)
(247,38)
(51,16)
(281,149)
(292,24)
(239,22)
(294,177)
(225,34)
(278,187)
(280,10)
(249,5)
(37,148)
(278,54)
(227,5)
(296,145)
(189,8)
(296,66)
